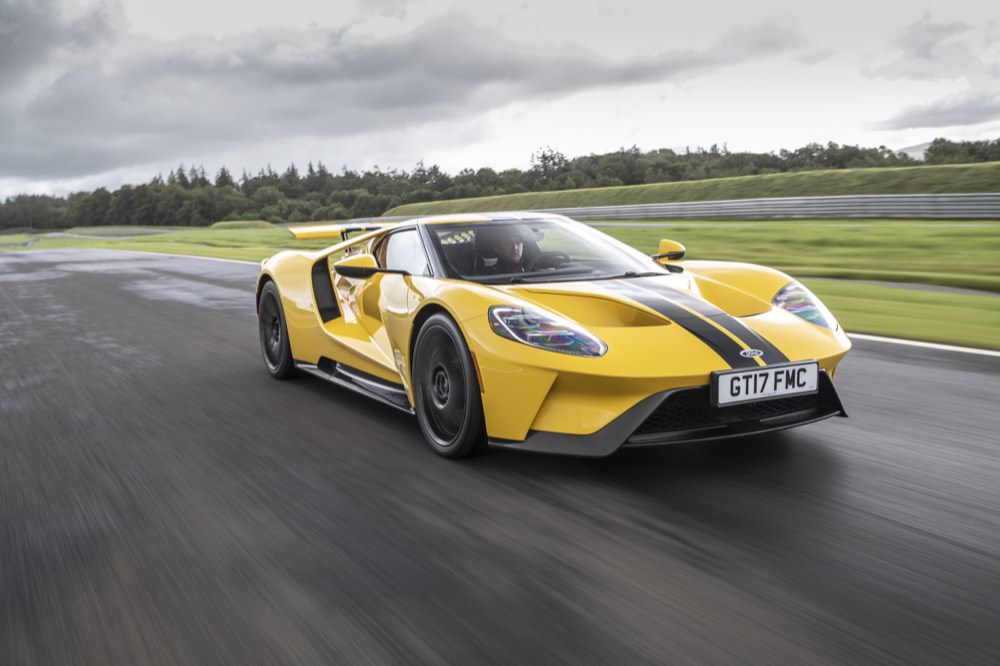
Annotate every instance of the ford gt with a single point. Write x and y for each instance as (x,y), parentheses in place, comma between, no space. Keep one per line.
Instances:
(535,332)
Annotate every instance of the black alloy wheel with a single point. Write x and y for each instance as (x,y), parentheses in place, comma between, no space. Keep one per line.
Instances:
(446,390)
(274,334)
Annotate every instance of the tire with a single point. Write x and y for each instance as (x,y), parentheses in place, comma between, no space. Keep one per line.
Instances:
(274,334)
(446,391)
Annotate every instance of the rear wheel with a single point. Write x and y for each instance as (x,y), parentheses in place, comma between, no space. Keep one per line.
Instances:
(446,391)
(274,334)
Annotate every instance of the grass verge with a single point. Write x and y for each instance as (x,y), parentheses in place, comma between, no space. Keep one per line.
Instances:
(250,244)
(119,232)
(915,314)
(15,241)
(953,254)
(952,179)
(243,224)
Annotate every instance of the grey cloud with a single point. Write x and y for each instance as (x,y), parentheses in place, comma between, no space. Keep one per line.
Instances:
(969,108)
(132,102)
(386,8)
(924,37)
(934,51)
(928,51)
(815,57)
(32,31)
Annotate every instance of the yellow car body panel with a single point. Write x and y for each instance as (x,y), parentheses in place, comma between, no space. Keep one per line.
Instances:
(527,390)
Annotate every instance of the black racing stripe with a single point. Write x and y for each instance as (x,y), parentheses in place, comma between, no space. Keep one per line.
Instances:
(720,343)
(772,355)
(750,337)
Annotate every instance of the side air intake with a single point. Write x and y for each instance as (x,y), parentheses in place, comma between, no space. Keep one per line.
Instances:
(323,291)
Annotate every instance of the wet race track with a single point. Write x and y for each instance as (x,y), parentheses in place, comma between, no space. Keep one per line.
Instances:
(163,500)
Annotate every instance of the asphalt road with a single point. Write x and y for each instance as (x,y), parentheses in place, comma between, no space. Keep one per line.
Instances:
(162,500)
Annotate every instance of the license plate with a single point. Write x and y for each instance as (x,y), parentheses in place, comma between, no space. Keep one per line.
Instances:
(733,387)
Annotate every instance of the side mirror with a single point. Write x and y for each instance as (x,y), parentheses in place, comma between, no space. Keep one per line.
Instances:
(357,266)
(670,250)
(361,266)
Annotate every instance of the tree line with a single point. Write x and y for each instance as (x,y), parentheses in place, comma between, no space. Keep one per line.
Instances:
(186,196)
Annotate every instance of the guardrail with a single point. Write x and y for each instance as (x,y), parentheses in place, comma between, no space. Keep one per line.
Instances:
(913,206)
(909,206)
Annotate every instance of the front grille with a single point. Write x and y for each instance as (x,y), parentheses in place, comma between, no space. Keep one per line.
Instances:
(691,410)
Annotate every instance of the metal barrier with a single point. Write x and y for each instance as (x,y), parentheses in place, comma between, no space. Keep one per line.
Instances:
(910,206)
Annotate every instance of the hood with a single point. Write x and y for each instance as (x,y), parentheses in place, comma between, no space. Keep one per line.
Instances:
(663,300)
(606,303)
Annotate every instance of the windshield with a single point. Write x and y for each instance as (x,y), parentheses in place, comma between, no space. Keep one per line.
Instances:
(544,250)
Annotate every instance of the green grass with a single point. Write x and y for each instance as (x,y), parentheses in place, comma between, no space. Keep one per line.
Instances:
(956,254)
(14,241)
(911,313)
(119,231)
(247,244)
(243,224)
(956,178)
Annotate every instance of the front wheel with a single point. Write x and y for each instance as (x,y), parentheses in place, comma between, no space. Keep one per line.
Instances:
(446,391)
(274,334)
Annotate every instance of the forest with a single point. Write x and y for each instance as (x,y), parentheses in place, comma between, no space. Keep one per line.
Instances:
(188,196)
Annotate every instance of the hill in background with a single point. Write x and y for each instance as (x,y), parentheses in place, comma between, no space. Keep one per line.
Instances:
(948,179)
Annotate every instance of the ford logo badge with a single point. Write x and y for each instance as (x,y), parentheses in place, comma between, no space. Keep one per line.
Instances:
(751,353)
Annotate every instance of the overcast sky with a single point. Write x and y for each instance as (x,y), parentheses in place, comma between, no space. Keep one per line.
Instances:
(99,93)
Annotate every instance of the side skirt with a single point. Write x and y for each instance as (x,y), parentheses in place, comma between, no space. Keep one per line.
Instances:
(360,382)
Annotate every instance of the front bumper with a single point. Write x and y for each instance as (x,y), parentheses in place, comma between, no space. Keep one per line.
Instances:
(686,415)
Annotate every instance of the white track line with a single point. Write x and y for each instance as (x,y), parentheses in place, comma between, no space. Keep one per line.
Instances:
(856,336)
(926,345)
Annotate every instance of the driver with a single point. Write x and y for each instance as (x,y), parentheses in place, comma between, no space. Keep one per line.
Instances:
(510,254)
(508,245)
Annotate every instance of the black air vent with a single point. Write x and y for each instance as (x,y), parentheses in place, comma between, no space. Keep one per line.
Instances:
(323,291)
(688,414)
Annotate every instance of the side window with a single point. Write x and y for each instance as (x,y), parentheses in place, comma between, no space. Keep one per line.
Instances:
(404,252)
(379,251)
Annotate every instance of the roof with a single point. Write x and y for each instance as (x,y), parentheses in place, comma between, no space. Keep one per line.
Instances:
(344,229)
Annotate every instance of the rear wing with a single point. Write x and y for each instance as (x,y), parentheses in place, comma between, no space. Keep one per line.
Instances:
(342,231)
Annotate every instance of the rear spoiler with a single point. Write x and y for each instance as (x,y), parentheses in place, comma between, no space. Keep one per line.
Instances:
(310,231)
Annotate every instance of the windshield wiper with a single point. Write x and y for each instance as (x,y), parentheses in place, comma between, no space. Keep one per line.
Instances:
(631,274)
(581,278)
(549,277)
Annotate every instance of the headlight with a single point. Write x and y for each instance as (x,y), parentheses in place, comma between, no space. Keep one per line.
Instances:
(540,329)
(798,300)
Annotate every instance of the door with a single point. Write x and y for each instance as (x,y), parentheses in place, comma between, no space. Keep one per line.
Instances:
(376,309)
(391,297)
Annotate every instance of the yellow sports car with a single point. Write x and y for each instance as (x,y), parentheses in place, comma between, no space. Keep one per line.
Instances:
(535,332)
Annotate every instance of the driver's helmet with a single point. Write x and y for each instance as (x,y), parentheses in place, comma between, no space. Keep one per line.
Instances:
(491,239)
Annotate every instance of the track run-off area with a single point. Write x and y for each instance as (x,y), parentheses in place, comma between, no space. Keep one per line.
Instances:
(164,501)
